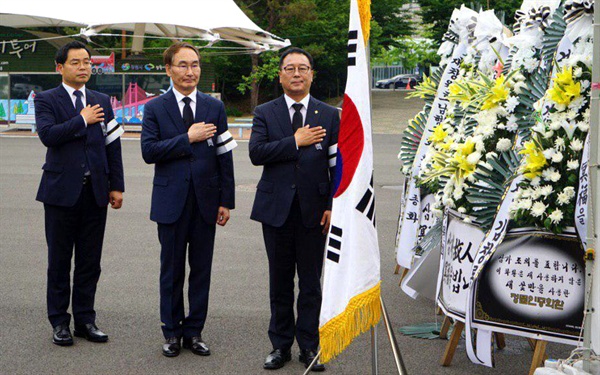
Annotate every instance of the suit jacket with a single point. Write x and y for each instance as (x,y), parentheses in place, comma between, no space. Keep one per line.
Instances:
(289,170)
(165,144)
(69,143)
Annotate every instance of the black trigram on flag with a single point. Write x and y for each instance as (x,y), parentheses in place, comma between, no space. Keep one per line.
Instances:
(335,244)
(367,203)
(352,40)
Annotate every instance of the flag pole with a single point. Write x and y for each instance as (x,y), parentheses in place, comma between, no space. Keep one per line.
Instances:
(593,199)
(312,363)
(374,362)
(397,356)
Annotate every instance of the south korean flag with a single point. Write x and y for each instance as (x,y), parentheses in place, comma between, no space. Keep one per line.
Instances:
(351,281)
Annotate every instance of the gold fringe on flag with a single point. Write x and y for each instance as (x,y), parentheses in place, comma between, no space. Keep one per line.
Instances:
(362,313)
(364,9)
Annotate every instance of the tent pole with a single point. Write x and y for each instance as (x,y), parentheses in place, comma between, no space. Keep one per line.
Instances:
(592,319)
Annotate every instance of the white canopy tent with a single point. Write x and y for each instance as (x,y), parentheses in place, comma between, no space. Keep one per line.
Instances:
(204,19)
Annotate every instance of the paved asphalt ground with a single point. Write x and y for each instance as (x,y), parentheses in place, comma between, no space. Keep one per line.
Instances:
(127,298)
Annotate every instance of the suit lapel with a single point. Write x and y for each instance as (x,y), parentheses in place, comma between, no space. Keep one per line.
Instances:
(172,108)
(66,102)
(282,114)
(312,119)
(201,108)
(90,98)
(312,113)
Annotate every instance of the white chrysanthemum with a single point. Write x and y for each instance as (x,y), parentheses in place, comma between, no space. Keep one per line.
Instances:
(538,209)
(457,193)
(549,153)
(526,193)
(555,125)
(556,216)
(538,127)
(473,158)
(530,64)
(576,145)
(584,126)
(462,210)
(511,103)
(503,144)
(577,104)
(536,181)
(570,191)
(485,130)
(551,174)
(562,198)
(546,190)
(572,165)
(577,72)
(557,157)
(536,193)
(467,220)
(559,144)
(525,204)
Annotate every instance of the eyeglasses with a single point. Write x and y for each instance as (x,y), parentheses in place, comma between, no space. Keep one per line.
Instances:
(76,63)
(289,69)
(185,67)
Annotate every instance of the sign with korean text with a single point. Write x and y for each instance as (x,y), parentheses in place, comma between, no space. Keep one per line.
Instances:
(459,246)
(533,285)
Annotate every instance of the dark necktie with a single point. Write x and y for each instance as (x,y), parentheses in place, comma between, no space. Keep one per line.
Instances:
(188,114)
(297,121)
(78,101)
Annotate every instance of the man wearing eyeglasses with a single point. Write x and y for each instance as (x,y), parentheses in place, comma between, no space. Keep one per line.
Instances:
(83,173)
(185,136)
(294,138)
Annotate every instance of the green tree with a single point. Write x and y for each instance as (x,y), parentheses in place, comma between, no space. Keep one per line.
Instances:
(2,111)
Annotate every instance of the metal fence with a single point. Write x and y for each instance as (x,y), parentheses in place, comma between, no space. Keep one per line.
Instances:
(385,72)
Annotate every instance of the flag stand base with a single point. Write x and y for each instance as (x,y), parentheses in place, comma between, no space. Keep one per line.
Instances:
(390,333)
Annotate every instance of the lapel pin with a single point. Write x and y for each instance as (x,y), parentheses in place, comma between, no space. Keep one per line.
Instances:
(316,112)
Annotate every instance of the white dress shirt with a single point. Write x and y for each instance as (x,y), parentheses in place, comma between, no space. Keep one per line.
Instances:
(71,92)
(179,97)
(289,101)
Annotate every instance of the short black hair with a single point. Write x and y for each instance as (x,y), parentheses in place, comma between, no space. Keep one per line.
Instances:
(291,50)
(63,52)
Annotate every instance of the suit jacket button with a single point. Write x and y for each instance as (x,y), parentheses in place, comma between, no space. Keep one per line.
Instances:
(293,186)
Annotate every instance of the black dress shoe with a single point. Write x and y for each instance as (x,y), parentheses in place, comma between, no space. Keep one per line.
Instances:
(62,335)
(277,358)
(196,345)
(307,356)
(90,332)
(171,347)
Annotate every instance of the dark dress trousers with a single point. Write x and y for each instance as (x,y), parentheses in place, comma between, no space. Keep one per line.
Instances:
(292,194)
(191,181)
(75,212)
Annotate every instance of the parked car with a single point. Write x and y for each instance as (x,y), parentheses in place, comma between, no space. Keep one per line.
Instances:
(399,82)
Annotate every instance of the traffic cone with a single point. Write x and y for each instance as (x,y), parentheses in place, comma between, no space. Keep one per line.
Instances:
(408,84)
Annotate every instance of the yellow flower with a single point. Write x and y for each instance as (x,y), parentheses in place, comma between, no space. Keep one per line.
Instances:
(564,88)
(498,94)
(535,160)
(455,90)
(439,134)
(460,158)
(446,145)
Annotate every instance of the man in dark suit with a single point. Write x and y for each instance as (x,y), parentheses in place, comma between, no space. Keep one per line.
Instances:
(295,138)
(83,173)
(185,136)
